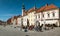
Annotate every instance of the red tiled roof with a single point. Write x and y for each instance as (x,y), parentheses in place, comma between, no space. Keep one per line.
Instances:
(9,21)
(41,9)
(45,8)
(50,7)
(15,17)
(32,9)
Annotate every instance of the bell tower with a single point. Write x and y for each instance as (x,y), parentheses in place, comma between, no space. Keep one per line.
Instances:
(23,8)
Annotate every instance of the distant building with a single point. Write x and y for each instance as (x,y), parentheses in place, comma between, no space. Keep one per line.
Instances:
(9,21)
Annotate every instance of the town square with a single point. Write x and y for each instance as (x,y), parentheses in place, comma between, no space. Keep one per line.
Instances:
(30,18)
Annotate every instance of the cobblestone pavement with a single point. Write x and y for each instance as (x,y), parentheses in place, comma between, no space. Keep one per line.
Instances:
(9,31)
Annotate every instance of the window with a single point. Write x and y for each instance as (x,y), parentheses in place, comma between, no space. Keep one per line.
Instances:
(38,16)
(43,15)
(53,14)
(48,14)
(22,21)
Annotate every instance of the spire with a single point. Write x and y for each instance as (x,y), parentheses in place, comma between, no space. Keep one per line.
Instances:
(23,6)
(35,5)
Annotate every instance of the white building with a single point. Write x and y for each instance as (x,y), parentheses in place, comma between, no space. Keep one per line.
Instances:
(25,20)
(19,21)
(48,14)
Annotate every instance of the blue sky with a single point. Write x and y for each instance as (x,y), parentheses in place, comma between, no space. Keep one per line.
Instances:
(9,8)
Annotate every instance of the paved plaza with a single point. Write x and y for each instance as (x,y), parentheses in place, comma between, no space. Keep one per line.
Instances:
(9,31)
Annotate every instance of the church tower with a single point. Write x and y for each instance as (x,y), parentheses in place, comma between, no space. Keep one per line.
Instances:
(23,9)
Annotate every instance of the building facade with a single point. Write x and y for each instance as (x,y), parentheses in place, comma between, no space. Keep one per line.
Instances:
(48,14)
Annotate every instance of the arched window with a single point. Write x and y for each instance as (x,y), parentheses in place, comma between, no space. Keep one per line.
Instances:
(27,22)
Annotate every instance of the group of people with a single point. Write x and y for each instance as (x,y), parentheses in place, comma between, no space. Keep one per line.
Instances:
(32,27)
(39,27)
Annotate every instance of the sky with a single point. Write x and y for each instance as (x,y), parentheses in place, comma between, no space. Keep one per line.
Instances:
(10,8)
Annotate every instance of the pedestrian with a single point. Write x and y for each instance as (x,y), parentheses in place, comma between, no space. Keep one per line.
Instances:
(40,27)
